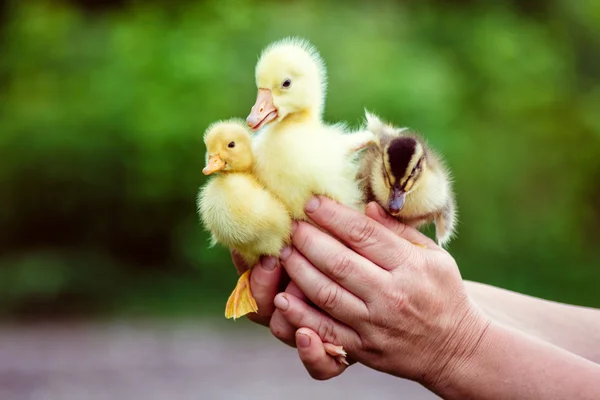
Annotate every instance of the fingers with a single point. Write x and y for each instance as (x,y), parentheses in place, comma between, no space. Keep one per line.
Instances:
(300,315)
(366,236)
(344,266)
(320,289)
(318,363)
(280,327)
(264,283)
(404,231)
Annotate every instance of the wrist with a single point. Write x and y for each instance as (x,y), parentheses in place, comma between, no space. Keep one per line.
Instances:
(459,351)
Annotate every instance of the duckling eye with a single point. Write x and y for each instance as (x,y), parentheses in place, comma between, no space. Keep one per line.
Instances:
(231,145)
(287,83)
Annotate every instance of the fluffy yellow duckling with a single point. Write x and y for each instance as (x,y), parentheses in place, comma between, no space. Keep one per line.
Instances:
(408,179)
(237,210)
(297,154)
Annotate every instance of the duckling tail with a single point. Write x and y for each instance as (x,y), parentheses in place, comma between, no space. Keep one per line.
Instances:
(445,223)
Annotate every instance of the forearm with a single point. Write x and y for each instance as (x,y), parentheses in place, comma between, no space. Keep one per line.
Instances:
(508,364)
(573,328)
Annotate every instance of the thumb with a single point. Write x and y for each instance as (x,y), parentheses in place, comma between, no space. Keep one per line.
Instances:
(407,232)
(311,349)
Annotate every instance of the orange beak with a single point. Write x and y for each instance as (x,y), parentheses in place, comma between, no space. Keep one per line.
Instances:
(263,111)
(215,163)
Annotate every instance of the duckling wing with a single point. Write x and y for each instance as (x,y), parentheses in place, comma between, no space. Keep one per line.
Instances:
(360,140)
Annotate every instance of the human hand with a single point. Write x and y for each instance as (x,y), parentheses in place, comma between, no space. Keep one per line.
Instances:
(266,280)
(394,306)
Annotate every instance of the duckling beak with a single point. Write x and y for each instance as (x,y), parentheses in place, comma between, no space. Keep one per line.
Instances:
(215,163)
(396,200)
(263,111)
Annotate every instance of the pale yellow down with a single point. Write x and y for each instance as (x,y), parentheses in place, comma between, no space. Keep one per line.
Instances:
(297,154)
(237,210)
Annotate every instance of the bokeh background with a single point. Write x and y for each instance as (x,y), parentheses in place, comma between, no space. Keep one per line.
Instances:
(103,105)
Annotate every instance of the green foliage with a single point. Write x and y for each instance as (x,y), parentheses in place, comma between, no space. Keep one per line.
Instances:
(102,116)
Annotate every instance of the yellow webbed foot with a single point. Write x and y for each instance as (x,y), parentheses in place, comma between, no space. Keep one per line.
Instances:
(241,301)
(336,352)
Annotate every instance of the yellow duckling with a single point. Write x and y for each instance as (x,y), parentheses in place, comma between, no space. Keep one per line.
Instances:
(297,154)
(408,179)
(237,210)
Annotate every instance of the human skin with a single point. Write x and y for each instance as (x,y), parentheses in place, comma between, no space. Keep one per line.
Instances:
(573,328)
(471,348)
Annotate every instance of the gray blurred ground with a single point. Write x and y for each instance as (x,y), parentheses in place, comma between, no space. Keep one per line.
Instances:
(171,360)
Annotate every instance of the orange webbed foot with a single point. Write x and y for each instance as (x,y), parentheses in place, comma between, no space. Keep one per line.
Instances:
(241,301)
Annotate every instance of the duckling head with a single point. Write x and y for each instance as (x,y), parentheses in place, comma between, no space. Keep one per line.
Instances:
(404,162)
(228,147)
(292,82)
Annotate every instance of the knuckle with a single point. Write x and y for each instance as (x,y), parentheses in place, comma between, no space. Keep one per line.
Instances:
(396,300)
(361,231)
(328,296)
(399,300)
(326,331)
(340,266)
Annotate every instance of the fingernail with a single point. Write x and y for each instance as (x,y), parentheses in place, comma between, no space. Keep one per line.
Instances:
(281,302)
(269,263)
(302,340)
(312,204)
(285,253)
(294,227)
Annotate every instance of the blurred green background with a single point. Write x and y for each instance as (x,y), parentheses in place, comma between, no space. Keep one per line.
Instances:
(103,105)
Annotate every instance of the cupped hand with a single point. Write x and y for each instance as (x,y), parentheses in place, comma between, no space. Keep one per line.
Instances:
(266,280)
(394,306)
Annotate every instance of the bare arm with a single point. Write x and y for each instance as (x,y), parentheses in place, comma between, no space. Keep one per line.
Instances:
(420,323)
(508,364)
(575,329)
